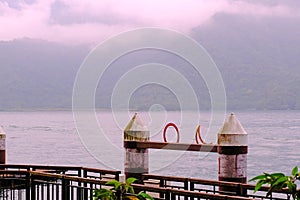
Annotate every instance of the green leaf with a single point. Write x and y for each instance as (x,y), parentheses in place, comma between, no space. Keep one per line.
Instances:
(295,171)
(274,177)
(112,182)
(103,194)
(292,187)
(259,177)
(258,185)
(277,174)
(130,180)
(130,190)
(145,196)
(115,183)
(278,183)
(280,180)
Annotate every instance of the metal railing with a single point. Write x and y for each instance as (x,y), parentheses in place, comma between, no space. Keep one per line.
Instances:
(212,187)
(32,182)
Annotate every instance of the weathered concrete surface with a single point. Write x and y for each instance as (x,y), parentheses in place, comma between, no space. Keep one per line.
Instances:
(233,149)
(136,160)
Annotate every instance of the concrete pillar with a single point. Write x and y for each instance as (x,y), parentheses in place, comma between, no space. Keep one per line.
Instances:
(233,149)
(2,147)
(136,160)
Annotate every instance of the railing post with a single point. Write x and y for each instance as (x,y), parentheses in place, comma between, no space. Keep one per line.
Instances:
(33,192)
(168,194)
(28,185)
(65,189)
(79,189)
(2,147)
(117,176)
(186,186)
(162,185)
(192,187)
(233,149)
(85,190)
(173,196)
(136,160)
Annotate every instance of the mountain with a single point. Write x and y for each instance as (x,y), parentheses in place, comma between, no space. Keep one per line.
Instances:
(37,74)
(258,60)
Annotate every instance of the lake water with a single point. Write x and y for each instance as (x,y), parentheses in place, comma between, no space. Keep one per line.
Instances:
(52,138)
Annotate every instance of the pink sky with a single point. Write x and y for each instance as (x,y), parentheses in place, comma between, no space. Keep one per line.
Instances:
(91,21)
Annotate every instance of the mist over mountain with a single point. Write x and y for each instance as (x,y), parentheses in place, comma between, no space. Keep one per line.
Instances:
(37,74)
(258,59)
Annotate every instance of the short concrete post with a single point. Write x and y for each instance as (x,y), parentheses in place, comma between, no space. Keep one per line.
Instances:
(233,149)
(136,160)
(2,147)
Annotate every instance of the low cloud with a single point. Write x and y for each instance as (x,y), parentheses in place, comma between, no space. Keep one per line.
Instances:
(89,21)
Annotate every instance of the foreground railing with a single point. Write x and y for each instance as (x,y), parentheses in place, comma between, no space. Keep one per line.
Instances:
(32,182)
(218,188)
(51,182)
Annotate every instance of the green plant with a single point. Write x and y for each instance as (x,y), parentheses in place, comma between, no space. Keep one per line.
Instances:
(279,181)
(120,191)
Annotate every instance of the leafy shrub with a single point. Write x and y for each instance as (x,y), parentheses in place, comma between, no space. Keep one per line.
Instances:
(120,191)
(279,181)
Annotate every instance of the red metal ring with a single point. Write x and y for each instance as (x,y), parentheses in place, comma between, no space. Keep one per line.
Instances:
(165,130)
(198,135)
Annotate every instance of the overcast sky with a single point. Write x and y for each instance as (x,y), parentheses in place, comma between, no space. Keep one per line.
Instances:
(91,21)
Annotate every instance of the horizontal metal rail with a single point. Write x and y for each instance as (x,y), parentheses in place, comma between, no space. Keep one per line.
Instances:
(177,194)
(170,146)
(84,172)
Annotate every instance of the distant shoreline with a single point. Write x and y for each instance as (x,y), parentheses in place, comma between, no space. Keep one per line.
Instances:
(124,110)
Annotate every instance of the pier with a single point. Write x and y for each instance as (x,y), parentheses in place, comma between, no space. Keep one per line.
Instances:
(39,182)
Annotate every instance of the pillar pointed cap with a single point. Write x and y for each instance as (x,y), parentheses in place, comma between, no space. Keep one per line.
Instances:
(136,124)
(232,126)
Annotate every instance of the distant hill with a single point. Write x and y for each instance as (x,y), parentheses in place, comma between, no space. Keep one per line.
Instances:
(258,59)
(37,74)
